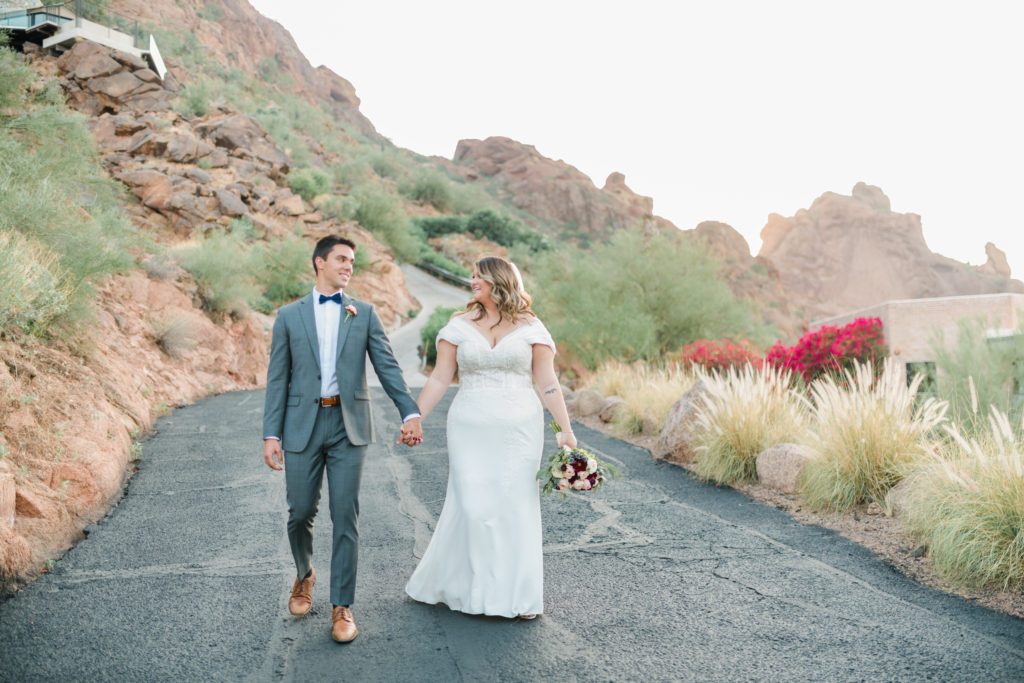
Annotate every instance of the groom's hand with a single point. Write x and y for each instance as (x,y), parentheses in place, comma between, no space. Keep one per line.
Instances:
(272,454)
(412,432)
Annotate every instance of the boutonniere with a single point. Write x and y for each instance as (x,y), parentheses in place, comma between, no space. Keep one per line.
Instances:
(350,312)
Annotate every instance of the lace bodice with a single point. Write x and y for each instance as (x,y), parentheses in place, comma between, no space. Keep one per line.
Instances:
(509,365)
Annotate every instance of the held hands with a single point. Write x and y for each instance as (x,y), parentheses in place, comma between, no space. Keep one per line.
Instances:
(412,432)
(272,454)
(566,439)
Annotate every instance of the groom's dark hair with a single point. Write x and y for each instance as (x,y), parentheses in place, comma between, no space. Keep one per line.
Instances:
(324,246)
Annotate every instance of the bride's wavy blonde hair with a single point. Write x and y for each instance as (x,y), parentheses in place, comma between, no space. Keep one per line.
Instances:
(507,291)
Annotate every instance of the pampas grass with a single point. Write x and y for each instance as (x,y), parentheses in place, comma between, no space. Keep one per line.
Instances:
(868,433)
(743,412)
(967,506)
(649,392)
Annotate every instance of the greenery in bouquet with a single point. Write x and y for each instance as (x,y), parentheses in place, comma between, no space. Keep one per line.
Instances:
(573,469)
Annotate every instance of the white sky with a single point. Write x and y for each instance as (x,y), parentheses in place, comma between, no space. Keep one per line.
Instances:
(721,110)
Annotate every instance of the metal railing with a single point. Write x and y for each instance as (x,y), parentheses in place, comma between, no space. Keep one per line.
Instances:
(444,274)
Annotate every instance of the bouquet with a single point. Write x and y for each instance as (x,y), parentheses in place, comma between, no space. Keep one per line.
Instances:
(573,469)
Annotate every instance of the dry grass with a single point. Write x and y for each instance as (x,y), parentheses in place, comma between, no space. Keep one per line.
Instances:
(868,433)
(967,506)
(174,332)
(744,412)
(33,289)
(648,392)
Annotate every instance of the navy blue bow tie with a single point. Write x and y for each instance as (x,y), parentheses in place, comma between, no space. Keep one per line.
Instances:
(336,298)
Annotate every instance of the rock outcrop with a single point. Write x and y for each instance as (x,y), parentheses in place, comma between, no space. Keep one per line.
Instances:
(554,191)
(232,32)
(849,252)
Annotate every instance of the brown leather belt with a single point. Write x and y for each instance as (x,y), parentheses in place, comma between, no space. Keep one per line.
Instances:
(330,401)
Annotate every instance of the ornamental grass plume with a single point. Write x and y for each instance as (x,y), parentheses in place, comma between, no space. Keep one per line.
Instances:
(744,411)
(967,506)
(868,434)
(648,391)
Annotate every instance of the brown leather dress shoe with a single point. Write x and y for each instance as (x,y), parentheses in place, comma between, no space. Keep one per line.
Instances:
(344,629)
(302,595)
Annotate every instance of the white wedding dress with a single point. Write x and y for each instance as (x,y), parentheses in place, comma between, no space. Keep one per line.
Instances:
(485,556)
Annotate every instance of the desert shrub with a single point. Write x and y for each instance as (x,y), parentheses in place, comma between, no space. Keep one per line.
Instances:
(967,506)
(648,392)
(868,433)
(717,356)
(384,166)
(435,226)
(33,291)
(428,335)
(506,231)
(195,98)
(379,214)
(55,194)
(174,332)
(976,374)
(219,264)
(832,350)
(636,296)
(468,198)
(309,182)
(283,270)
(242,228)
(744,411)
(432,257)
(429,187)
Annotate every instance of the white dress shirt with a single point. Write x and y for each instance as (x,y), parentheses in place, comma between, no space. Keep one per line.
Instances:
(327,316)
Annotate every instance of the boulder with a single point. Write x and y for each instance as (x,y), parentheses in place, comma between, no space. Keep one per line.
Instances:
(675,443)
(586,402)
(230,203)
(116,87)
(129,60)
(613,406)
(896,498)
(147,75)
(96,65)
(290,206)
(779,467)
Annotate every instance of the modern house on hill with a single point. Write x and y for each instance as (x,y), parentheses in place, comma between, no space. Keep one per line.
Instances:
(58,27)
(910,325)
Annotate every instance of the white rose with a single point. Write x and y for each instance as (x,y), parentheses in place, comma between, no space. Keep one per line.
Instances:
(581,485)
(563,484)
(591,465)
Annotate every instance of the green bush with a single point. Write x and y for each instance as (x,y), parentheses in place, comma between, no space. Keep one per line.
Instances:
(976,373)
(379,214)
(220,265)
(636,296)
(428,335)
(284,271)
(195,98)
(440,225)
(432,257)
(55,194)
(309,182)
(506,231)
(429,187)
(33,291)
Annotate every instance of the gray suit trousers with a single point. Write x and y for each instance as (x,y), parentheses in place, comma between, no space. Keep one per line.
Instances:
(329,449)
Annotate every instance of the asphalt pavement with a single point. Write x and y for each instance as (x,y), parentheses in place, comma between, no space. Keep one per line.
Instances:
(658,577)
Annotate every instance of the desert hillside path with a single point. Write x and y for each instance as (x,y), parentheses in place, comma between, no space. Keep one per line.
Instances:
(658,577)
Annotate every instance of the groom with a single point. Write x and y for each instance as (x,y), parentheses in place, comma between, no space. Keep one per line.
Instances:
(317,416)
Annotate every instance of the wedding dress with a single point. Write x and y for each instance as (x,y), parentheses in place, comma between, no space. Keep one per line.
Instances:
(485,556)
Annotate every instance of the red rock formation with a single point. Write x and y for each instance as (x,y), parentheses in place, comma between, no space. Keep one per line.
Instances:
(554,191)
(848,252)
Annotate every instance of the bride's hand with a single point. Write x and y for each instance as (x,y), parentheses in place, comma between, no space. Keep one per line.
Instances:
(566,439)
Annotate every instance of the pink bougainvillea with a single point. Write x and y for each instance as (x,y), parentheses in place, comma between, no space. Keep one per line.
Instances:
(719,355)
(831,349)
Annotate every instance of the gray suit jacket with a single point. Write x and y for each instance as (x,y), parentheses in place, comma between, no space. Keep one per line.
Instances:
(293,376)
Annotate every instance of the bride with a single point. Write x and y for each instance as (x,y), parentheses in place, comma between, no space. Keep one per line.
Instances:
(485,556)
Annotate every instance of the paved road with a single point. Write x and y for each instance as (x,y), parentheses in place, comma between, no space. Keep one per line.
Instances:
(658,577)
(405,341)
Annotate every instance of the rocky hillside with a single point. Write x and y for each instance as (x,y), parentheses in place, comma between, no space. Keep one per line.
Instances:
(850,251)
(71,413)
